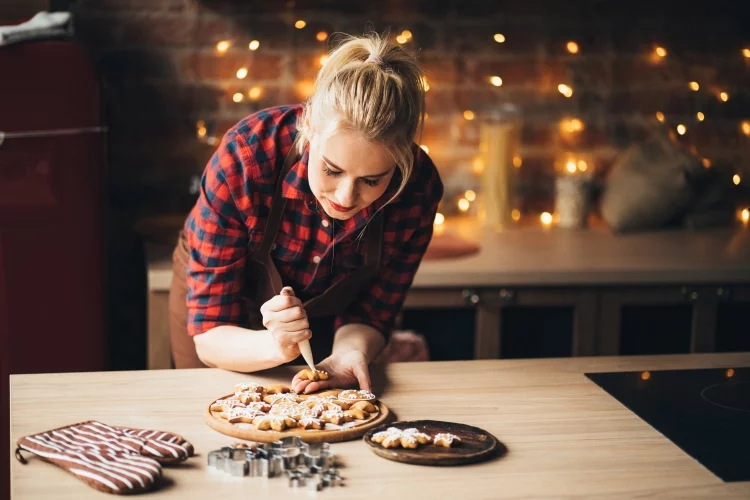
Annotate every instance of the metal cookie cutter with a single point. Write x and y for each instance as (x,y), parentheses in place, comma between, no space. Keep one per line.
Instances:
(317,455)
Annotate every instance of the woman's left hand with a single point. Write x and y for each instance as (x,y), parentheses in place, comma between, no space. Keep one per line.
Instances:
(345,370)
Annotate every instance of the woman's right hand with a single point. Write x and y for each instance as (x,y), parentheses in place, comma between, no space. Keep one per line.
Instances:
(286,319)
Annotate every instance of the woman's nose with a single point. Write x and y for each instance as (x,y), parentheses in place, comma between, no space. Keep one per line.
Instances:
(345,193)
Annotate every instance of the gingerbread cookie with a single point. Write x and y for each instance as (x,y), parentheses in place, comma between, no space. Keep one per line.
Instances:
(354,395)
(239,414)
(445,439)
(394,437)
(226,404)
(274,422)
(308,374)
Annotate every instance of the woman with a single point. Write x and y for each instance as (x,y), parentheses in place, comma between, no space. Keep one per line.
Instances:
(311,223)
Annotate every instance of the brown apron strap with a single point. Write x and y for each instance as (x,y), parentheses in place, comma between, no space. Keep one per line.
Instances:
(277,206)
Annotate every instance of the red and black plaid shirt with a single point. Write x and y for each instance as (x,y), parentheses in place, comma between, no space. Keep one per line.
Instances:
(236,192)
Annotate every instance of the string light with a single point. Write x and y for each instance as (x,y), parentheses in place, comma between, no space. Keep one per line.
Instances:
(572,125)
(254,93)
(681,129)
(439,218)
(660,51)
(402,39)
(571,166)
(241,73)
(425,149)
(499,38)
(724,96)
(469,114)
(223,46)
(237,97)
(736,179)
(694,86)
(300,24)
(645,375)
(745,128)
(700,116)
(496,81)
(572,47)
(660,116)
(470,195)
(706,162)
(745,216)
(321,36)
(323,59)
(582,165)
(201,130)
(546,218)
(517,161)
(425,84)
(746,53)
(254,45)
(463,204)
(515,214)
(406,34)
(565,90)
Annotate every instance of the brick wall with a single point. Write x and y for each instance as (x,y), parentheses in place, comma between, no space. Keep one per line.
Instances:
(164,75)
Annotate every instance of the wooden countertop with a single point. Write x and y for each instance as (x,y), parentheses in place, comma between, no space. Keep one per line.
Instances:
(534,256)
(566,437)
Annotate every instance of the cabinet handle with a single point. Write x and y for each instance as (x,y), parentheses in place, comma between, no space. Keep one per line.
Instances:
(471,296)
(724,293)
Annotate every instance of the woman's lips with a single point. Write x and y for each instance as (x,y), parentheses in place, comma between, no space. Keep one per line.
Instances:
(339,208)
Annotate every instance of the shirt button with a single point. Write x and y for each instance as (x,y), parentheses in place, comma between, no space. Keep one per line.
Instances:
(316,259)
(273,247)
(325,223)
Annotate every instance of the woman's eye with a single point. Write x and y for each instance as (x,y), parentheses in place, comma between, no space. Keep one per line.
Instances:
(371,182)
(330,172)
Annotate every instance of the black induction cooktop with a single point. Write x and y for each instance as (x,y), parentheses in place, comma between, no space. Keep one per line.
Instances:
(705,412)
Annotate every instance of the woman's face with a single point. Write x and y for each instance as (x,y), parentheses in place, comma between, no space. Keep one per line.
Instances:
(347,173)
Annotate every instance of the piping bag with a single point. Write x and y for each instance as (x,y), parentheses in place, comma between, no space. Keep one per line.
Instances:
(304,346)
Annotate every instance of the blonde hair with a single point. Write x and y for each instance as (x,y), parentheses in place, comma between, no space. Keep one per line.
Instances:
(374,87)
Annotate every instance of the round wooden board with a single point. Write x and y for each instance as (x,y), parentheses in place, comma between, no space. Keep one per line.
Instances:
(476,445)
(249,433)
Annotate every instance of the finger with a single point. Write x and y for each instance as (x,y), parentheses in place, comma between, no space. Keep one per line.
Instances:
(299,325)
(287,291)
(289,315)
(292,337)
(315,386)
(363,376)
(280,303)
(299,385)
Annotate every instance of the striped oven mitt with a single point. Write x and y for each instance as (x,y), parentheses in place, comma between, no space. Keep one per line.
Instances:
(116,460)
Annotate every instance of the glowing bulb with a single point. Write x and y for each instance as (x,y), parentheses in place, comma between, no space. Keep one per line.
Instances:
(469,114)
(300,24)
(439,218)
(499,38)
(660,116)
(572,125)
(661,52)
(582,165)
(706,162)
(572,47)
(724,96)
(406,34)
(694,86)
(746,53)
(254,93)
(645,375)
(254,45)
(425,84)
(730,371)
(241,73)
(477,165)
(736,179)
(323,59)
(425,148)
(402,39)
(745,216)
(321,36)
(496,81)
(202,131)
(700,116)
(517,161)
(515,214)
(681,129)
(463,204)
(470,195)
(571,166)
(546,218)
(237,97)
(565,90)
(223,46)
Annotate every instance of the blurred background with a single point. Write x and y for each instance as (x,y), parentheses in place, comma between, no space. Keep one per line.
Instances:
(594,156)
